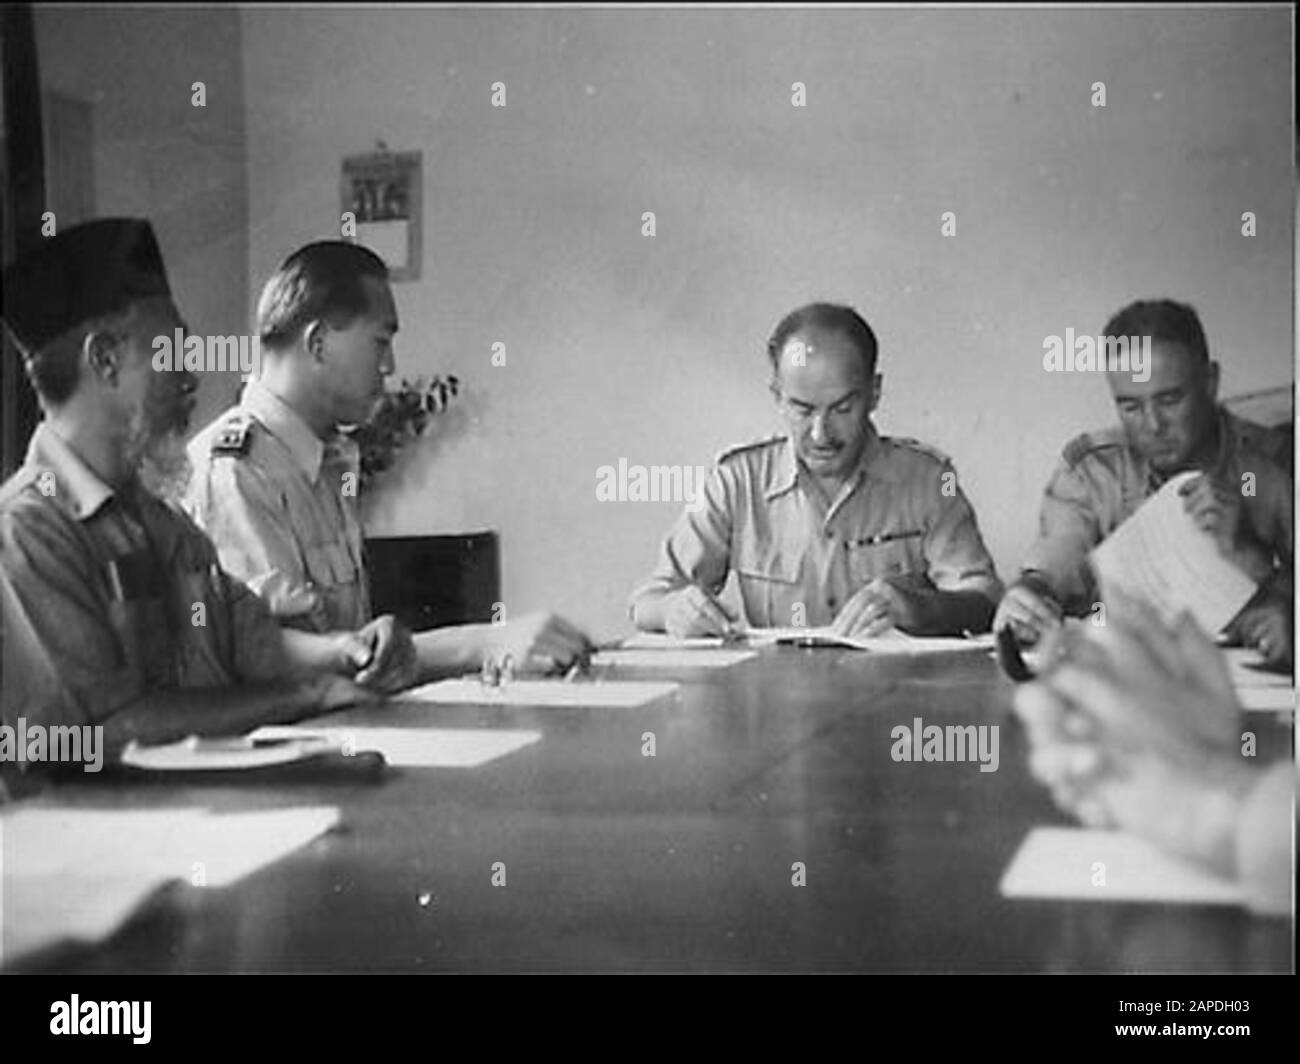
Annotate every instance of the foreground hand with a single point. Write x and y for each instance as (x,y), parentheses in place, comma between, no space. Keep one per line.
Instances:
(1137,729)
(692,612)
(876,608)
(1030,614)
(1149,681)
(538,641)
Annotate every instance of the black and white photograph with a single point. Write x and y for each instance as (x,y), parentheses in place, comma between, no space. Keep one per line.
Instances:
(666,489)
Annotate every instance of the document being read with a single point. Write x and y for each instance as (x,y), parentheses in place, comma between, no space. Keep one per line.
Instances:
(1159,556)
(891,642)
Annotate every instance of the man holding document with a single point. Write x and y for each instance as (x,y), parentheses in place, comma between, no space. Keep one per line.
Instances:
(831,523)
(1170,423)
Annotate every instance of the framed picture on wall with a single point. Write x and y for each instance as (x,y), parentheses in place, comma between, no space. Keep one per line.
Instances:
(382,190)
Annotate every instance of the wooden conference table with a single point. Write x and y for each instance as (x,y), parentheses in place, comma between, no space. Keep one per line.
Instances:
(682,861)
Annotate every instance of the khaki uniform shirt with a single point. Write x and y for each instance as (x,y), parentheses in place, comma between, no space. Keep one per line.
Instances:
(1100,482)
(899,516)
(108,595)
(280,504)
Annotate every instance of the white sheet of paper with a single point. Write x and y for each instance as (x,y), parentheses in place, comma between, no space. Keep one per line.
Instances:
(418,747)
(78,874)
(642,658)
(1275,699)
(621,694)
(234,845)
(1239,661)
(1063,863)
(1159,556)
(664,641)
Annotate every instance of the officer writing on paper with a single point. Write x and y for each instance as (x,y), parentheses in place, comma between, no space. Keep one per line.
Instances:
(274,479)
(830,523)
(1169,423)
(113,607)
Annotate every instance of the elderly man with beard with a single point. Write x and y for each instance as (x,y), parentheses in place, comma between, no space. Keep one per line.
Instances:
(113,608)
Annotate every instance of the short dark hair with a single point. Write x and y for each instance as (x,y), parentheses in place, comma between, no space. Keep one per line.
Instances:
(1162,319)
(319,281)
(55,369)
(830,317)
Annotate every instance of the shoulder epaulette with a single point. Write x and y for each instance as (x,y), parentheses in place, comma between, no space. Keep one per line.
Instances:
(923,448)
(22,478)
(1271,441)
(754,445)
(233,435)
(1086,443)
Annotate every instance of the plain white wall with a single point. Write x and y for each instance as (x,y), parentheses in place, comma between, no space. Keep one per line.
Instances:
(620,345)
(157,155)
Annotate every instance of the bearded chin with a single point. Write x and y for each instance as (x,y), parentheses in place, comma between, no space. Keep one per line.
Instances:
(164,466)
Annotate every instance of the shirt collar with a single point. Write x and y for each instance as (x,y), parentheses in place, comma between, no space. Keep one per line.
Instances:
(79,488)
(286,425)
(785,469)
(1227,442)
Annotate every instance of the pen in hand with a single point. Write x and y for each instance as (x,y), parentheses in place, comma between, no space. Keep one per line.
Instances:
(730,630)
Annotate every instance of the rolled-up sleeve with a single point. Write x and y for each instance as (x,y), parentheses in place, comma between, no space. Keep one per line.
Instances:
(955,555)
(1068,528)
(698,548)
(259,652)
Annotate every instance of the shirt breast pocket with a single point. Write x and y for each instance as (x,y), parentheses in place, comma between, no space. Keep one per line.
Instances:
(329,565)
(144,635)
(898,559)
(770,585)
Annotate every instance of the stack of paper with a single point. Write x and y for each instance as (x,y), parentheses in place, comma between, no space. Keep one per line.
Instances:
(78,874)
(541,693)
(414,747)
(642,658)
(892,642)
(664,641)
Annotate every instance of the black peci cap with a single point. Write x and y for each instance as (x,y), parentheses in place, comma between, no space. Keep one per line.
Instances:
(92,269)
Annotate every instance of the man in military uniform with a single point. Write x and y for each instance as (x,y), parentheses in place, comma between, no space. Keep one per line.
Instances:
(113,608)
(1169,423)
(275,483)
(831,523)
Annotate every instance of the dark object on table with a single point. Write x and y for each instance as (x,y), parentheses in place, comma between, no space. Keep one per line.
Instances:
(1010,658)
(432,581)
(365,766)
